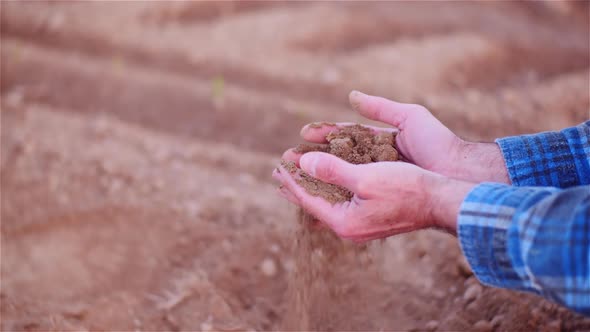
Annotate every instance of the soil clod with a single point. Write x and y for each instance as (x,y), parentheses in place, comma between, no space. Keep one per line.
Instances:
(355,144)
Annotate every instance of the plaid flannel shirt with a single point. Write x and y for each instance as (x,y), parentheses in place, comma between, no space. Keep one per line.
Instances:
(535,235)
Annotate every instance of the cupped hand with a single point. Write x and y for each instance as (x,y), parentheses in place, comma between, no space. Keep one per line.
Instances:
(389,197)
(421,139)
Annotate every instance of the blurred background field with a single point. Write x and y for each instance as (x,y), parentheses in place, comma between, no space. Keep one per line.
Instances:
(138,140)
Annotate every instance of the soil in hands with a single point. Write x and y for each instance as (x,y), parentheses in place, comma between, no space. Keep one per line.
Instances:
(355,144)
(317,249)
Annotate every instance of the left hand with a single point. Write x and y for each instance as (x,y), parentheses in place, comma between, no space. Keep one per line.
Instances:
(389,197)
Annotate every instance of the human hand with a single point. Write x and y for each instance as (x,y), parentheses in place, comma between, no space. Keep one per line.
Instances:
(389,197)
(421,140)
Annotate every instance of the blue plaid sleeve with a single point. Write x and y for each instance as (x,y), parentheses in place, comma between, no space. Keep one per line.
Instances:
(531,239)
(557,159)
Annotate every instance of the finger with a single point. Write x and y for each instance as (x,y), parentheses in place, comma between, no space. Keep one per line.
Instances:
(384,110)
(317,206)
(316,132)
(291,155)
(331,169)
(276,175)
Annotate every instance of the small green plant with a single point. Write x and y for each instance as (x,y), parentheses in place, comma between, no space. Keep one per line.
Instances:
(217,90)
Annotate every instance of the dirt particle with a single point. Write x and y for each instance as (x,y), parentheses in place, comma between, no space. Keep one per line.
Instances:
(275,248)
(206,326)
(431,326)
(342,147)
(384,153)
(483,326)
(554,326)
(14,97)
(497,320)
(75,311)
(305,148)
(226,245)
(288,265)
(384,139)
(268,267)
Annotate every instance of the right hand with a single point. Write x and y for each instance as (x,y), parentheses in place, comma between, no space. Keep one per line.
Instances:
(421,140)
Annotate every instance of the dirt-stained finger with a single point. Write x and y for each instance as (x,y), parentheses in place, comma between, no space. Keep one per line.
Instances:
(316,132)
(276,175)
(291,155)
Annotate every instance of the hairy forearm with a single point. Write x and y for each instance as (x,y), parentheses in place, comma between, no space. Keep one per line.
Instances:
(480,162)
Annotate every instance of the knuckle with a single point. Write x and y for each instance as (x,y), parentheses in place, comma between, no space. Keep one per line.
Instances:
(363,187)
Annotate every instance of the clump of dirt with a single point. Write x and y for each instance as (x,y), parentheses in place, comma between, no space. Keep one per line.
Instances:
(355,144)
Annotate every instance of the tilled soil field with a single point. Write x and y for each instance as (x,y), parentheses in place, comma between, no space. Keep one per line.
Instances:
(138,139)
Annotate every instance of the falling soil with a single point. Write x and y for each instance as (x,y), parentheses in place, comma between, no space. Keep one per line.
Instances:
(355,144)
(314,283)
(318,249)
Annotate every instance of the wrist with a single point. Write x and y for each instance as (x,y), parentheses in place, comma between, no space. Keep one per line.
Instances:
(480,162)
(445,197)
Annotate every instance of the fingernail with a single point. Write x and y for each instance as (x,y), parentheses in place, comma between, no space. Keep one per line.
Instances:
(308,162)
(306,128)
(316,125)
(355,98)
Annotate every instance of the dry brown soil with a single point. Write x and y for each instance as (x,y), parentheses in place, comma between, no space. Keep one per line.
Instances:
(138,138)
(355,144)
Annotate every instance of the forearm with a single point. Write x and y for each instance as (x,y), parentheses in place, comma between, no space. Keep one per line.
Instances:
(480,162)
(446,196)
(556,159)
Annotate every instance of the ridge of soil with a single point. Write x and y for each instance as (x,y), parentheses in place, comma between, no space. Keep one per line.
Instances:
(134,161)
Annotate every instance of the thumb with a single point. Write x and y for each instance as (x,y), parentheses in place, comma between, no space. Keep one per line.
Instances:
(329,168)
(384,110)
